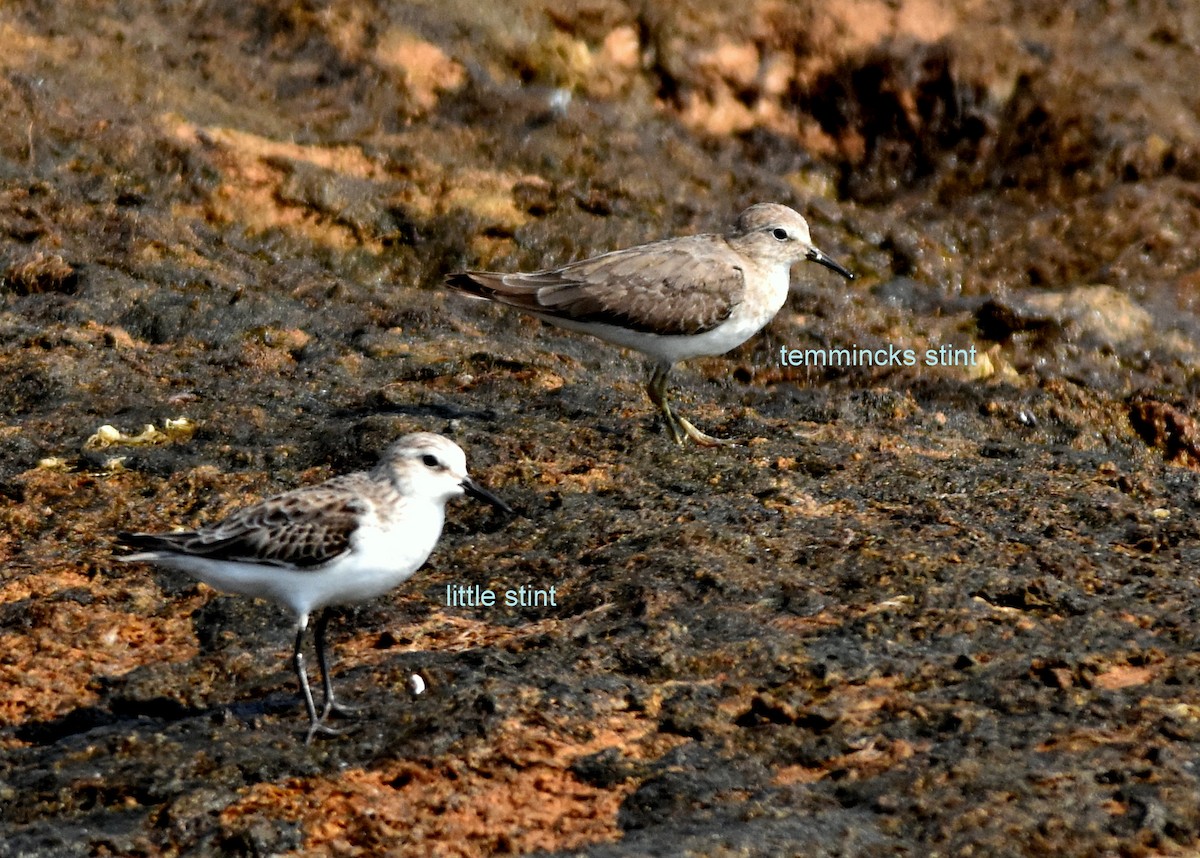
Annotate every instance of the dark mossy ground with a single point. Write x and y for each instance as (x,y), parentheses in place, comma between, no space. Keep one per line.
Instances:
(920,611)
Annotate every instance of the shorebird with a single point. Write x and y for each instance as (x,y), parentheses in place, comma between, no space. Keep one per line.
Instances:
(345,540)
(670,300)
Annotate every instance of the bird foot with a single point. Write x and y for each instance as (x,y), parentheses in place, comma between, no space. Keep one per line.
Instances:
(322,728)
(342,710)
(701,438)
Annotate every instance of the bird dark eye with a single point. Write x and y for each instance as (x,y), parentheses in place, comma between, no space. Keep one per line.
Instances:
(430,460)
(780,233)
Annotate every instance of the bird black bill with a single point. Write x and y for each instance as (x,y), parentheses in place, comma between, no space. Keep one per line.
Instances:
(478,492)
(820,258)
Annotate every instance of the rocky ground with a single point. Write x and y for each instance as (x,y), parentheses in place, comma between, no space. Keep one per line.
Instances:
(926,610)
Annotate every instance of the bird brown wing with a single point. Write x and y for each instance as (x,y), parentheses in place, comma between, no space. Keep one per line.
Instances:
(678,286)
(302,529)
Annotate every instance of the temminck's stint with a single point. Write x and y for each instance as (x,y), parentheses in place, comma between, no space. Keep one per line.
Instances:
(671,300)
(345,540)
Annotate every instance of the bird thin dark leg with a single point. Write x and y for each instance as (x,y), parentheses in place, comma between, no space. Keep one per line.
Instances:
(315,724)
(679,427)
(331,705)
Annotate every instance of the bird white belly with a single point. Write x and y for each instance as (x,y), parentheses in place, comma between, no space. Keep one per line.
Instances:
(384,556)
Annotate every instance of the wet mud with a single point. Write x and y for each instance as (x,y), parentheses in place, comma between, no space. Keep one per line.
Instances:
(921,610)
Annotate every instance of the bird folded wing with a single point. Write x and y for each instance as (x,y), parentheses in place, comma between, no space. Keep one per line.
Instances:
(303,529)
(669,287)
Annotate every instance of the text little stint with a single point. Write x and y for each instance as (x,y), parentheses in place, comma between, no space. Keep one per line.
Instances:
(474,596)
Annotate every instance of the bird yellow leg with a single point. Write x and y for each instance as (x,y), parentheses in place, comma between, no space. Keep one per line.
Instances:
(680,427)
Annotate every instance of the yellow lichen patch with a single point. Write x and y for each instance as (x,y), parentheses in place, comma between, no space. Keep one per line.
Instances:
(1083,739)
(37,272)
(427,70)
(247,147)
(439,178)
(847,26)
(448,811)
(177,429)
(291,339)
(872,757)
(807,625)
(264,359)
(581,476)
(112,336)
(1123,676)
(788,775)
(347,26)
(763,61)
(925,20)
(539,379)
(622,48)
(254,171)
(18,45)
(441,632)
(40,586)
(48,667)
(487,194)
(514,794)
(718,112)
(273,349)
(72,615)
(256,178)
